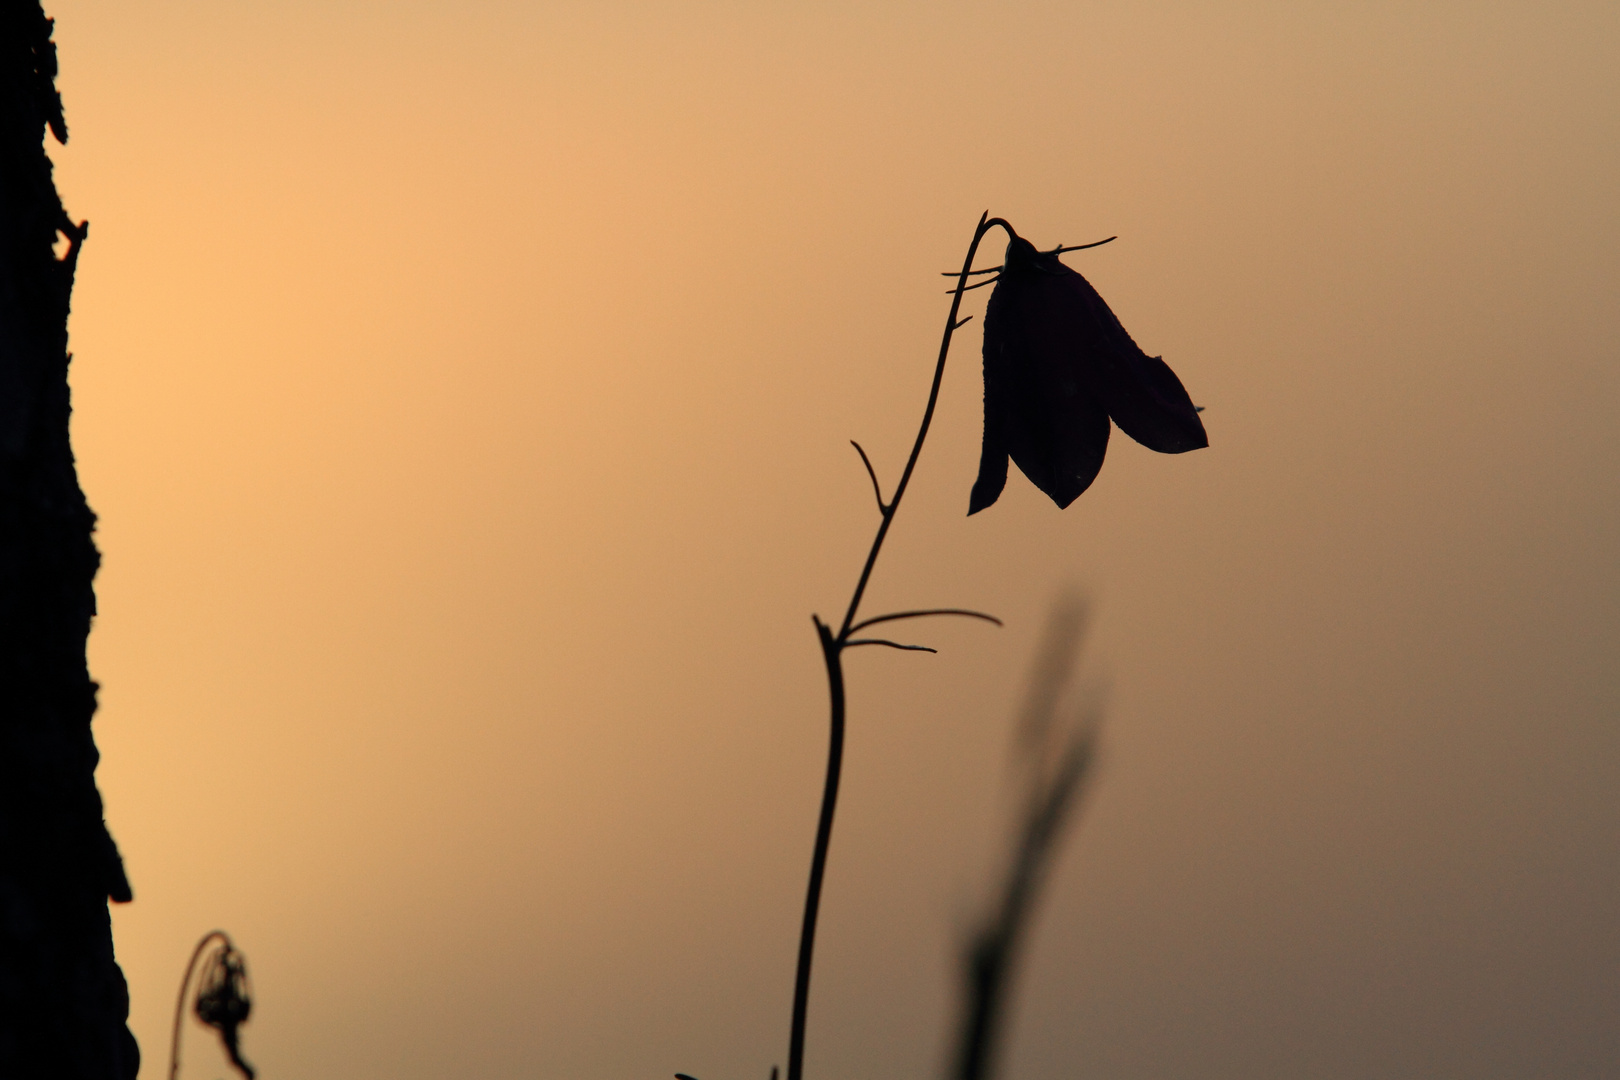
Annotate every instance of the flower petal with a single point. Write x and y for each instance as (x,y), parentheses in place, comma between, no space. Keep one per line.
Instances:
(992,455)
(1148,403)
(1141,393)
(1039,403)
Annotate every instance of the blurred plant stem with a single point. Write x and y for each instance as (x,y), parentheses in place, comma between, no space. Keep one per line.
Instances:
(834,643)
(1052,761)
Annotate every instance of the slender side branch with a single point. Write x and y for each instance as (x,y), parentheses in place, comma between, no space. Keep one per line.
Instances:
(891,644)
(1059,250)
(876,488)
(874,620)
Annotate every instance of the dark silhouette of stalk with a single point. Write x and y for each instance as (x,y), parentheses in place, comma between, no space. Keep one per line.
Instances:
(1054,761)
(63,1001)
(832,651)
(224,999)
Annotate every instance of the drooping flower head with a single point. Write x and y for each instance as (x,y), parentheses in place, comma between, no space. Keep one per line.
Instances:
(224,1001)
(1057,367)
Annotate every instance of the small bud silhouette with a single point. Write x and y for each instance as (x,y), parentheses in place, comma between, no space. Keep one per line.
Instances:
(224,1001)
(1057,366)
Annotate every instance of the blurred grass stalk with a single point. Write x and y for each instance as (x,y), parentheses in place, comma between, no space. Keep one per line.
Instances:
(1053,754)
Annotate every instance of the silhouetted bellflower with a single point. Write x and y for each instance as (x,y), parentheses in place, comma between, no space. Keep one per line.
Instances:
(1057,366)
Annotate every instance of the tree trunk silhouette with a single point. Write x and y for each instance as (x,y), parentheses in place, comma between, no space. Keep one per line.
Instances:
(63,1000)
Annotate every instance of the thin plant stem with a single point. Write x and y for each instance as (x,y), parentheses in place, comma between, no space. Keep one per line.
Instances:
(832,650)
(180,1005)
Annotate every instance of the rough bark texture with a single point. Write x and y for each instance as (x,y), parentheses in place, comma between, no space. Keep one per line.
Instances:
(63,1000)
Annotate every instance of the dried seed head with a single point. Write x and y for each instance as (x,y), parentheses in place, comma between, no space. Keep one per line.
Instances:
(224,1001)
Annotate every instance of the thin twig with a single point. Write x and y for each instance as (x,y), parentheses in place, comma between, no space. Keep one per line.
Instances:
(876,489)
(1059,250)
(891,644)
(874,620)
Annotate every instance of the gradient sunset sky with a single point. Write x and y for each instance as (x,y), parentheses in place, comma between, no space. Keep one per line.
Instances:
(465,393)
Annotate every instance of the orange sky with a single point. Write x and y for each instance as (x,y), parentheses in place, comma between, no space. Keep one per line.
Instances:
(466,394)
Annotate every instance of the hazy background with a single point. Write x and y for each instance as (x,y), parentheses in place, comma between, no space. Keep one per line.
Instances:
(465,392)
